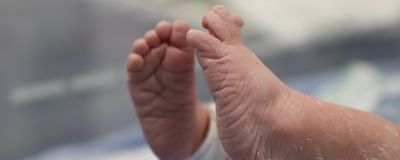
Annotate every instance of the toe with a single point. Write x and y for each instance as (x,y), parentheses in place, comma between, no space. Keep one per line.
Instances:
(220,24)
(178,35)
(135,63)
(238,21)
(141,68)
(152,39)
(205,24)
(206,45)
(163,30)
(140,47)
(222,12)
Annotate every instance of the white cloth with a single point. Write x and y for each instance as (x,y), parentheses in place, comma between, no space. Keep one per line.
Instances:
(211,148)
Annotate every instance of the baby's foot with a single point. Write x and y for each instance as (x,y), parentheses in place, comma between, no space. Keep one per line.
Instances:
(258,117)
(162,86)
(245,91)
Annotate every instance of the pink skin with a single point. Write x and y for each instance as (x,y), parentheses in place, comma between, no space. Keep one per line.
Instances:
(258,117)
(162,86)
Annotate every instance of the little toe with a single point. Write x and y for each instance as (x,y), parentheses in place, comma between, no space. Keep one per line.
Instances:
(152,39)
(178,35)
(140,47)
(163,30)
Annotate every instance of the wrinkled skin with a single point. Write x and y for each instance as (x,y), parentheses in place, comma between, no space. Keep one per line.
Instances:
(258,117)
(162,85)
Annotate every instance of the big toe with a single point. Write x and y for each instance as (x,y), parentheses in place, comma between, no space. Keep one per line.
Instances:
(207,46)
(178,34)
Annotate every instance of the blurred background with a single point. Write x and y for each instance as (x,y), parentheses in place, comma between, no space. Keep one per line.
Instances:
(62,74)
